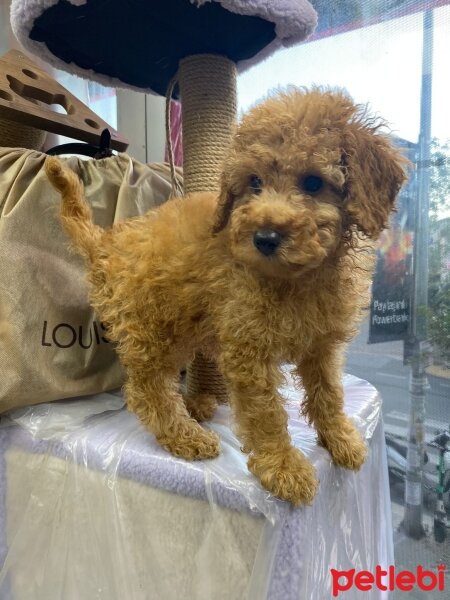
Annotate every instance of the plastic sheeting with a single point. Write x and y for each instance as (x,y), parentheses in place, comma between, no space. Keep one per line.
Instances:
(91,507)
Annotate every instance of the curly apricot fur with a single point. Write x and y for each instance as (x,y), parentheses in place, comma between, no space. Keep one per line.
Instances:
(188,277)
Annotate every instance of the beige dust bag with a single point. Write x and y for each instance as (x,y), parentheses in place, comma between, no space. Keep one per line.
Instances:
(52,346)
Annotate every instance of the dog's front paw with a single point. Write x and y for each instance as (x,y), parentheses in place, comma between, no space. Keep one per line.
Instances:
(287,475)
(345,444)
(192,442)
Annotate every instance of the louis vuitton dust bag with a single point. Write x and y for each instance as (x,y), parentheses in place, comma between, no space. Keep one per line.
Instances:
(52,346)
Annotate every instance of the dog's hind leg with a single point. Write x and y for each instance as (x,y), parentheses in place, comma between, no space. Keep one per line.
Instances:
(203,389)
(321,374)
(151,393)
(201,407)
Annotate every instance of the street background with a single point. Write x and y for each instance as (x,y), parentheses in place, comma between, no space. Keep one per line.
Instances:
(382,365)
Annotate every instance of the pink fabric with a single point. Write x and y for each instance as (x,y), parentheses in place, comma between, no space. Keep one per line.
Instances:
(176,134)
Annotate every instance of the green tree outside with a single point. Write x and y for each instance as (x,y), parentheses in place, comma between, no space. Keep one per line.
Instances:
(439,250)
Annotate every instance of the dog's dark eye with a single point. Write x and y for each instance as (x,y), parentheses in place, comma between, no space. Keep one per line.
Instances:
(311,184)
(256,184)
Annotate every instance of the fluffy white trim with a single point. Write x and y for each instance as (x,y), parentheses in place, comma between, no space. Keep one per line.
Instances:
(294,21)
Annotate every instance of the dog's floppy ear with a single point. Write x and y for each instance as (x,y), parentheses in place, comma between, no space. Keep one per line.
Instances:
(375,174)
(225,202)
(223,211)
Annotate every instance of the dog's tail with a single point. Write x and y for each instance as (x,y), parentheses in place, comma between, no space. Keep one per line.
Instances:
(76,214)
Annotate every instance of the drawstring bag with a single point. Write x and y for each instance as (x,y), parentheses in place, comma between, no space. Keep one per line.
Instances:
(52,345)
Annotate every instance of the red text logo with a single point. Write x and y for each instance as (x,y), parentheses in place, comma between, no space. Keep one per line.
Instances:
(389,579)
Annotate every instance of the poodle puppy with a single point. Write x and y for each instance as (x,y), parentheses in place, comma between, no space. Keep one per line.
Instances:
(269,270)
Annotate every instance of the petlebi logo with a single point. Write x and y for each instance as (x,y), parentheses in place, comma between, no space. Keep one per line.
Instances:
(390,579)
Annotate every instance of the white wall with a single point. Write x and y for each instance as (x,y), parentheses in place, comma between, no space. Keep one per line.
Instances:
(140,118)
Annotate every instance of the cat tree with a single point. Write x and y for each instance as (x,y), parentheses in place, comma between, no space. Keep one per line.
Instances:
(145,45)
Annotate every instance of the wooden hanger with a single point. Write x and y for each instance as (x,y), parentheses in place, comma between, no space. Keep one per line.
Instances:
(26,96)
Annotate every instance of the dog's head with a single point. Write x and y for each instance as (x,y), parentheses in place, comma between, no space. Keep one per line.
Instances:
(305,173)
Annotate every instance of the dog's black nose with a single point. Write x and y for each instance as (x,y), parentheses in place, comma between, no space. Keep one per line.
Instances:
(267,241)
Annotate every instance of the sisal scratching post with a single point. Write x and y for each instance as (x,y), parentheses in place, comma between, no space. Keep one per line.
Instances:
(17,135)
(208,94)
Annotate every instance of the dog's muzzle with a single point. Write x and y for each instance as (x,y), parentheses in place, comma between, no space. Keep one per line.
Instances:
(267,241)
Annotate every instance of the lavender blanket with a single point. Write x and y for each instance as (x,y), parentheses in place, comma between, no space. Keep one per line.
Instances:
(272,550)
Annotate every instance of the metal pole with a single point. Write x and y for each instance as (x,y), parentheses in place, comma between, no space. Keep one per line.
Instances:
(412,522)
